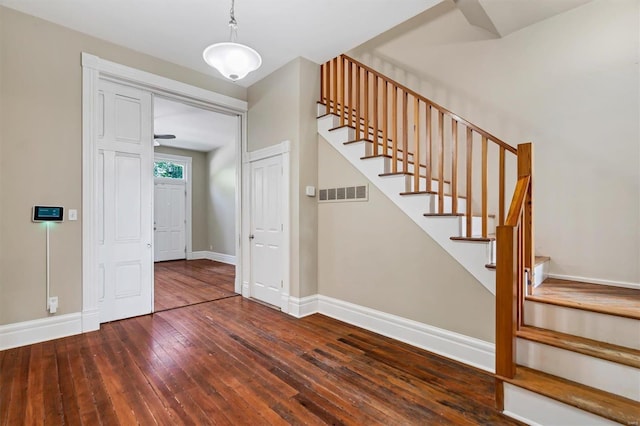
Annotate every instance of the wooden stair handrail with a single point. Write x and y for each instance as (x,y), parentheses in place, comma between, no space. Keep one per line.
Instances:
(455,116)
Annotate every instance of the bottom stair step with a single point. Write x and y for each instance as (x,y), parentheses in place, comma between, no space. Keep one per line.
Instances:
(603,404)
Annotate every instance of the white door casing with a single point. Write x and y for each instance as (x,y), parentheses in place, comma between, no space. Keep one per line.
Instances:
(124,157)
(266,230)
(169,221)
(95,68)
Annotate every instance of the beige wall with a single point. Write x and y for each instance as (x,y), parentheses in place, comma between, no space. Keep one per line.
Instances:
(281,107)
(221,199)
(372,254)
(199,194)
(570,84)
(40,104)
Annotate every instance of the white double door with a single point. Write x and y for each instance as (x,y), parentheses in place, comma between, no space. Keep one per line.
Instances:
(123,201)
(169,221)
(267,230)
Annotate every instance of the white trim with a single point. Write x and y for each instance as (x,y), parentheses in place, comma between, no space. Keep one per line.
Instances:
(40,330)
(468,350)
(595,281)
(283,149)
(188,183)
(211,255)
(302,307)
(270,151)
(94,68)
(155,82)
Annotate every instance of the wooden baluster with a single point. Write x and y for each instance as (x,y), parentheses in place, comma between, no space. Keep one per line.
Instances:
(454,166)
(429,157)
(322,83)
(502,187)
(484,187)
(365,128)
(469,212)
(441,162)
(358,109)
(520,268)
(394,146)
(349,102)
(340,71)
(376,98)
(334,84)
(385,120)
(405,133)
(416,143)
(525,168)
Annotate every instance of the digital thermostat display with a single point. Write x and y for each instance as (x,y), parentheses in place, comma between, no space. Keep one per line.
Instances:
(48,214)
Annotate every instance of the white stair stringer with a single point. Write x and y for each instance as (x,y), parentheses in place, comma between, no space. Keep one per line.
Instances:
(472,256)
(608,376)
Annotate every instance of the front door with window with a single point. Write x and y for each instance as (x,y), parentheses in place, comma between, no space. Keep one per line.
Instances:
(169,219)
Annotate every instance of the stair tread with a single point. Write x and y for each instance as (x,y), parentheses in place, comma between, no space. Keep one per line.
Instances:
(595,348)
(601,403)
(493,216)
(429,193)
(538,261)
(604,299)
(477,239)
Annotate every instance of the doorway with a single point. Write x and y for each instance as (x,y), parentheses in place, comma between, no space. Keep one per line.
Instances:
(194,202)
(94,71)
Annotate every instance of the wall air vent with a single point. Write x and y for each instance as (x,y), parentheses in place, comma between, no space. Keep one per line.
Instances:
(347,193)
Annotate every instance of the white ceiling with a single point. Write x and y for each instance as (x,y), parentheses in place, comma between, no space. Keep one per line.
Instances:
(179,30)
(195,128)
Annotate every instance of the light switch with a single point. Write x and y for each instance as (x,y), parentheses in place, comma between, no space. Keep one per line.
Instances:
(73,214)
(310,191)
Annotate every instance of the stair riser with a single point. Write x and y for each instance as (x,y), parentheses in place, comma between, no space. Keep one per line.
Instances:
(476,225)
(591,325)
(535,409)
(433,202)
(590,371)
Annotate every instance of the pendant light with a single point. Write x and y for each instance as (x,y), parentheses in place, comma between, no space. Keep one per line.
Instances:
(233,60)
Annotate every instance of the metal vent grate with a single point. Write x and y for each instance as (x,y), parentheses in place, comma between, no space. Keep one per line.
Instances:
(347,193)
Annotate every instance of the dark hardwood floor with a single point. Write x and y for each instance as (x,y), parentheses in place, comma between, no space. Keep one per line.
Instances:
(235,362)
(186,282)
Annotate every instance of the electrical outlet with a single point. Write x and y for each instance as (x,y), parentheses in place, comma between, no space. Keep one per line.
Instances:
(53,304)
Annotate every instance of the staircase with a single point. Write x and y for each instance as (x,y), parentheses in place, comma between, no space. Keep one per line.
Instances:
(558,361)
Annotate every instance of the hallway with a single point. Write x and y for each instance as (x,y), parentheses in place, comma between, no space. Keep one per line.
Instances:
(182,283)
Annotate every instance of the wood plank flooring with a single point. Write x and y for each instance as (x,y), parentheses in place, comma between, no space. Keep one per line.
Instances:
(236,362)
(186,282)
(605,299)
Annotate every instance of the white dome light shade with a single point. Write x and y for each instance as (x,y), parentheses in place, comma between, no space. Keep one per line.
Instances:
(233,60)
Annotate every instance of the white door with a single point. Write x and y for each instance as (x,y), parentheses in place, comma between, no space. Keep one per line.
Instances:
(124,186)
(169,221)
(266,230)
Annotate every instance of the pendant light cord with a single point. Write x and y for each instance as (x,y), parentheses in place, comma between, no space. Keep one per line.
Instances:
(233,24)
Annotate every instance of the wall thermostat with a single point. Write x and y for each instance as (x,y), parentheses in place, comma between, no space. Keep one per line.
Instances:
(48,214)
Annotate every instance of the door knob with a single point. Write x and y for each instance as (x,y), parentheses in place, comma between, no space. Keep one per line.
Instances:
(149,245)
(251,237)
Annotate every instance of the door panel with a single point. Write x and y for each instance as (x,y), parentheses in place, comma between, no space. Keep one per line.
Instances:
(266,228)
(123,202)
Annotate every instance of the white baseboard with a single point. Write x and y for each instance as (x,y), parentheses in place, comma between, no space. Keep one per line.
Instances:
(595,281)
(39,330)
(301,307)
(90,320)
(468,350)
(211,255)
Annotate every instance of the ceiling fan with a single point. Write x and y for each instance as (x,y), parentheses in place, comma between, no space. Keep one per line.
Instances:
(161,136)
